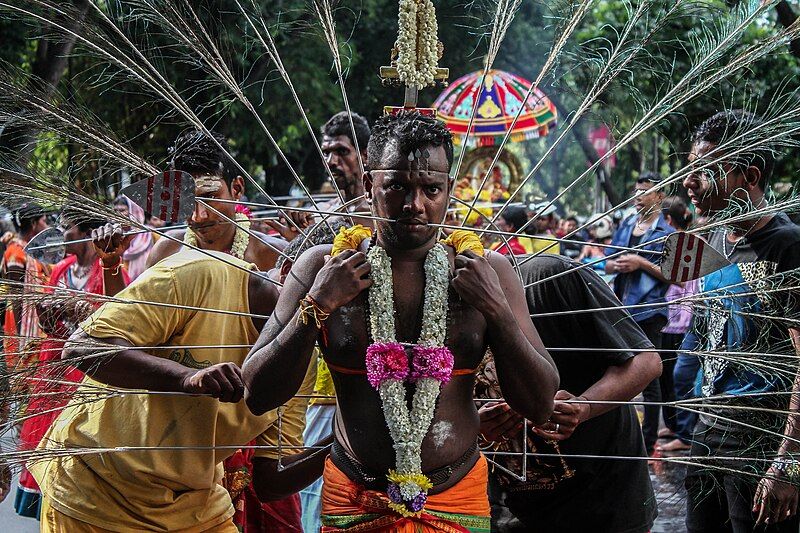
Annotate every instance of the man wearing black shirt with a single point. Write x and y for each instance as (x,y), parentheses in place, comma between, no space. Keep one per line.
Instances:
(758,293)
(600,355)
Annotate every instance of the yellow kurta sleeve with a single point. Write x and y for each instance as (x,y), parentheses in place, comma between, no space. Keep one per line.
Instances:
(141,323)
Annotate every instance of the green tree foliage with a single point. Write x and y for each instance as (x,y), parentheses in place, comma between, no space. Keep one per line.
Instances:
(366,32)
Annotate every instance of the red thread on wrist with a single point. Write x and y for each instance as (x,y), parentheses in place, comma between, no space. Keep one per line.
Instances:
(115,267)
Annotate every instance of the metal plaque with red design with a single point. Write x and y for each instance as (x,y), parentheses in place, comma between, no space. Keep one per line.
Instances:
(47,246)
(168,196)
(688,257)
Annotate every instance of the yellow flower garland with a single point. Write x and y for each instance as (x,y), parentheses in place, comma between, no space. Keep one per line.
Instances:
(349,239)
(462,240)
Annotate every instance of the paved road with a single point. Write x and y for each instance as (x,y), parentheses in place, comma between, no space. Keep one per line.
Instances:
(668,485)
(10,521)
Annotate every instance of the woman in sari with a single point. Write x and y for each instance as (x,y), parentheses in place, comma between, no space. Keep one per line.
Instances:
(88,268)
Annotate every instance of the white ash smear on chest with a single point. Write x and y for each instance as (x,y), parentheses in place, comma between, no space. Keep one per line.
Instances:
(441,432)
(348,315)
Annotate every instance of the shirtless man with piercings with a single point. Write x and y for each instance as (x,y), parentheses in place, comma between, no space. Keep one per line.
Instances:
(486,307)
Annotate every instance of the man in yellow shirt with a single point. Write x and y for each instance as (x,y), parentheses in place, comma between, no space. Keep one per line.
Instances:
(197,318)
(541,239)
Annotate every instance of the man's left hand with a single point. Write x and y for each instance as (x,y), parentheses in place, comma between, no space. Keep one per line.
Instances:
(565,418)
(628,263)
(110,243)
(774,500)
(477,283)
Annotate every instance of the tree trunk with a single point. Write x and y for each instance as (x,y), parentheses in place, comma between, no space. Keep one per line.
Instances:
(787,17)
(48,67)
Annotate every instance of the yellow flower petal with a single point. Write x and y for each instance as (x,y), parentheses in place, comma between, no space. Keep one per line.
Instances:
(349,239)
(420,479)
(400,509)
(462,240)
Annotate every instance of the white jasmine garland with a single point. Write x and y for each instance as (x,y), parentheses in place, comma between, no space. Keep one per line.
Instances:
(417,43)
(408,428)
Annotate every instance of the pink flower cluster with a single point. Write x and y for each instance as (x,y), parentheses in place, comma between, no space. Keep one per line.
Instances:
(244,209)
(386,360)
(432,362)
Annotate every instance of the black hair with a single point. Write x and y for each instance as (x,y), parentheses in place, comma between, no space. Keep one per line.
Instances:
(319,234)
(572,218)
(196,153)
(676,208)
(726,125)
(339,124)
(80,218)
(27,216)
(516,216)
(649,177)
(412,131)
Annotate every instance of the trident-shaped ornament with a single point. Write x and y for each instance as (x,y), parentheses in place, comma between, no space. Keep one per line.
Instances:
(390,77)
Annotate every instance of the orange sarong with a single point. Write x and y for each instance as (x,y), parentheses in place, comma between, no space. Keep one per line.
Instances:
(347,506)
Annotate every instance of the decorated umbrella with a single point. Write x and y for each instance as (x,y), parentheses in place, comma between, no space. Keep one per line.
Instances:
(500,101)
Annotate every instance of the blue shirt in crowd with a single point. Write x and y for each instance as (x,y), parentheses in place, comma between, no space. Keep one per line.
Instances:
(639,287)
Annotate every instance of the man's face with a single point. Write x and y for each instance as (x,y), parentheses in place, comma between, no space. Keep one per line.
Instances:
(413,193)
(40,225)
(122,210)
(342,160)
(209,225)
(647,202)
(715,188)
(71,233)
(542,223)
(570,225)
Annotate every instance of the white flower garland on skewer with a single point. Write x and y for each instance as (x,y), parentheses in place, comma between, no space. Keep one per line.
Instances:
(417,43)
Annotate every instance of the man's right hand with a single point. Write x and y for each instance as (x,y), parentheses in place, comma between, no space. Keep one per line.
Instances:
(341,279)
(286,228)
(110,243)
(499,421)
(222,381)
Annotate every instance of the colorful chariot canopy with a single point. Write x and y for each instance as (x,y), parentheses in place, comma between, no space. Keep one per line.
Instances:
(499,102)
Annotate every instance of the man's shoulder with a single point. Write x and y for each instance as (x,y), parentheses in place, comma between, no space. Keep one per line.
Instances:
(776,241)
(170,242)
(550,262)
(313,258)
(189,263)
(268,242)
(177,233)
(786,231)
(545,266)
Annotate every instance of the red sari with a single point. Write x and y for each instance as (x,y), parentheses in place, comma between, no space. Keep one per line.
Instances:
(252,515)
(51,385)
